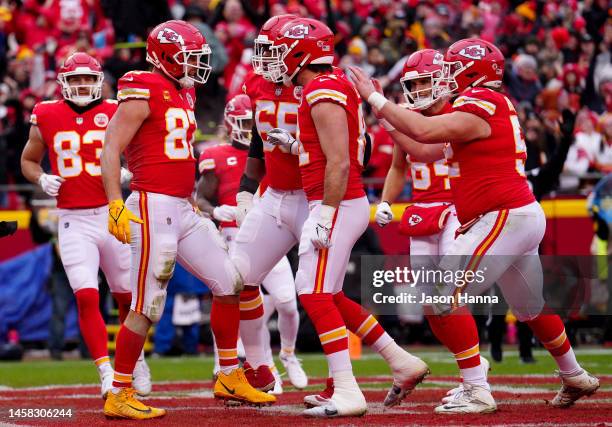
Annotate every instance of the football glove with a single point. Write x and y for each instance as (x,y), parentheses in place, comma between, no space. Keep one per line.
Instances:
(244,203)
(224,213)
(126,176)
(384,215)
(50,184)
(320,236)
(283,138)
(119,218)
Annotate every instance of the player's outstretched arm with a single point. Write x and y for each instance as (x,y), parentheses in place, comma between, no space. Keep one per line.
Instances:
(121,129)
(419,152)
(32,155)
(456,127)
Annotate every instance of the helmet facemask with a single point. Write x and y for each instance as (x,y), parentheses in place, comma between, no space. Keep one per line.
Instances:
(262,56)
(276,69)
(194,62)
(74,92)
(423,98)
(241,127)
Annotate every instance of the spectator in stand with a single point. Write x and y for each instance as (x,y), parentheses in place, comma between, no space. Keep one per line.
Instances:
(587,143)
(523,83)
(603,156)
(346,13)
(357,57)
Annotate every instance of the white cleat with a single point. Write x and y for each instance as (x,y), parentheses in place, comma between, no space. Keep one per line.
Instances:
(405,379)
(278,383)
(295,372)
(141,378)
(322,398)
(347,401)
(452,392)
(573,387)
(472,399)
(107,383)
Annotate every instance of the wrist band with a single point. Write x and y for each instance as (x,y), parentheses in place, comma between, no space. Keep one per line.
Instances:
(377,100)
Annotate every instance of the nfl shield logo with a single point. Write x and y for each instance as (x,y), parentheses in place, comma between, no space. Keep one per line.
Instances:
(79,120)
(278,91)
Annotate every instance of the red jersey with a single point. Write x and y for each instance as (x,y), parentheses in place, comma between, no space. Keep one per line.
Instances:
(275,106)
(337,89)
(74,141)
(227,162)
(488,174)
(161,155)
(430,181)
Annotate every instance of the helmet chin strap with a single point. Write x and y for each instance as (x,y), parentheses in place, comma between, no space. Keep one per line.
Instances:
(186,82)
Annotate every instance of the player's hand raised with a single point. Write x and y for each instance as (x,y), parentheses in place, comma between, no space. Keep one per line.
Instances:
(224,213)
(384,214)
(119,217)
(283,138)
(362,82)
(50,184)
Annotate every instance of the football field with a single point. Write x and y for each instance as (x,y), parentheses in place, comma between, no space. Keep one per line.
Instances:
(184,387)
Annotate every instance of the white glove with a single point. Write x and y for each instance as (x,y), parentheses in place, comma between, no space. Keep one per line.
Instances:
(126,176)
(224,213)
(283,138)
(384,215)
(50,184)
(320,237)
(244,202)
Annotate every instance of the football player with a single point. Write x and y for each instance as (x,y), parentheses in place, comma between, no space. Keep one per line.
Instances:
(331,138)
(497,211)
(154,125)
(221,167)
(72,132)
(276,221)
(431,221)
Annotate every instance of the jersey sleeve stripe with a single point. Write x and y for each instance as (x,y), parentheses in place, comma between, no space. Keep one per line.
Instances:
(133,93)
(33,120)
(489,107)
(206,165)
(319,94)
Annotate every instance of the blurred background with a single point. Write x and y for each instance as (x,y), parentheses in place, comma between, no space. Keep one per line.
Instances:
(558,56)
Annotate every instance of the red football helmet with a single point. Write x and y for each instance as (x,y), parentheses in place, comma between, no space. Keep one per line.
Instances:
(299,43)
(261,57)
(238,118)
(180,51)
(421,65)
(472,62)
(78,92)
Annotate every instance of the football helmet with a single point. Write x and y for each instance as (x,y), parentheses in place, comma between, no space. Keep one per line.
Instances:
(300,42)
(267,34)
(238,117)
(80,64)
(470,63)
(423,64)
(180,51)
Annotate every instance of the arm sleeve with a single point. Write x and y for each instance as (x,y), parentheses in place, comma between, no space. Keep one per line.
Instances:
(256,146)
(206,162)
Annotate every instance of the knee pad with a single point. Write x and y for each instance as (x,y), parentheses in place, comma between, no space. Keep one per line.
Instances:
(288,307)
(81,278)
(164,261)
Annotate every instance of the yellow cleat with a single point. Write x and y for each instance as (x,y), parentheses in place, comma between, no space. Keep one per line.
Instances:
(125,405)
(235,387)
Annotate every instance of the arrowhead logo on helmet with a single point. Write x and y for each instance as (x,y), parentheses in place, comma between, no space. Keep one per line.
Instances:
(473,52)
(297,32)
(168,35)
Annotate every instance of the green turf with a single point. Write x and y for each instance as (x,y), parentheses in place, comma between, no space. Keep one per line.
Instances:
(38,373)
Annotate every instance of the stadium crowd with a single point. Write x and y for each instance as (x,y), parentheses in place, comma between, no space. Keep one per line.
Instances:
(559,58)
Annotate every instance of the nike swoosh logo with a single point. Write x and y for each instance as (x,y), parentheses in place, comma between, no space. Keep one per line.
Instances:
(144,411)
(331,412)
(230,391)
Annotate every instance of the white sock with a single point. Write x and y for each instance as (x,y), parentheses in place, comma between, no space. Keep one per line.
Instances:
(567,363)
(268,312)
(217,365)
(105,368)
(475,376)
(383,341)
(252,336)
(288,325)
(339,361)
(142,356)
(394,355)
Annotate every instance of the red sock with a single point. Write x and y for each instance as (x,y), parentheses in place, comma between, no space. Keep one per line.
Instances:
(458,332)
(327,320)
(91,323)
(123,299)
(129,346)
(358,320)
(549,329)
(224,322)
(251,303)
